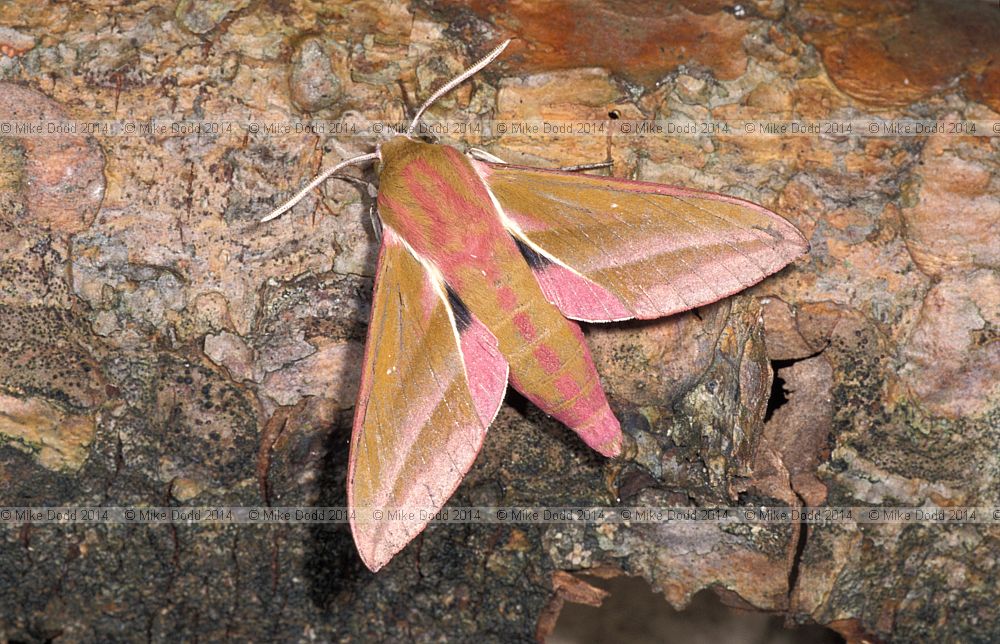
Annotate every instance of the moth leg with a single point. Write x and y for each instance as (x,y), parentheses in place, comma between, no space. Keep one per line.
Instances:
(372,189)
(482,155)
(372,194)
(375,222)
(429,133)
(583,167)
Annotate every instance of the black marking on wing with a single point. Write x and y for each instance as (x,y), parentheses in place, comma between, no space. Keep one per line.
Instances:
(463,318)
(535,261)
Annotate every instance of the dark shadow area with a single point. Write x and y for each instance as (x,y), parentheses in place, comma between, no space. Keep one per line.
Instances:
(778,396)
(634,613)
(332,565)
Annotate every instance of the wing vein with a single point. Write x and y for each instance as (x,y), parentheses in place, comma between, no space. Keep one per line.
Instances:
(731,223)
(612,231)
(696,227)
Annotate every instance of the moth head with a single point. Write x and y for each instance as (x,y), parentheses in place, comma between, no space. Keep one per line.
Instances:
(393,140)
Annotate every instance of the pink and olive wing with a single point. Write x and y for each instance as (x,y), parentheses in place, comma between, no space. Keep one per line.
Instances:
(432,382)
(610,249)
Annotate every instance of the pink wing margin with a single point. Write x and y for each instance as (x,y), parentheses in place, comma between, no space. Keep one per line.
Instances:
(607,249)
(432,381)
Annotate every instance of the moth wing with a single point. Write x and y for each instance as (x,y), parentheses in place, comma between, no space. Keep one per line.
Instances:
(432,382)
(610,249)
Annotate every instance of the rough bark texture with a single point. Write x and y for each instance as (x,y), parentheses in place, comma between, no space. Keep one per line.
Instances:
(158,346)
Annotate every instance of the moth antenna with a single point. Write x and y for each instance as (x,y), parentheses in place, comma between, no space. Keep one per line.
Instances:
(280,210)
(450,85)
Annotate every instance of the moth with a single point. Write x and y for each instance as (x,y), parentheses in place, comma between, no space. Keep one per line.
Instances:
(482,270)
